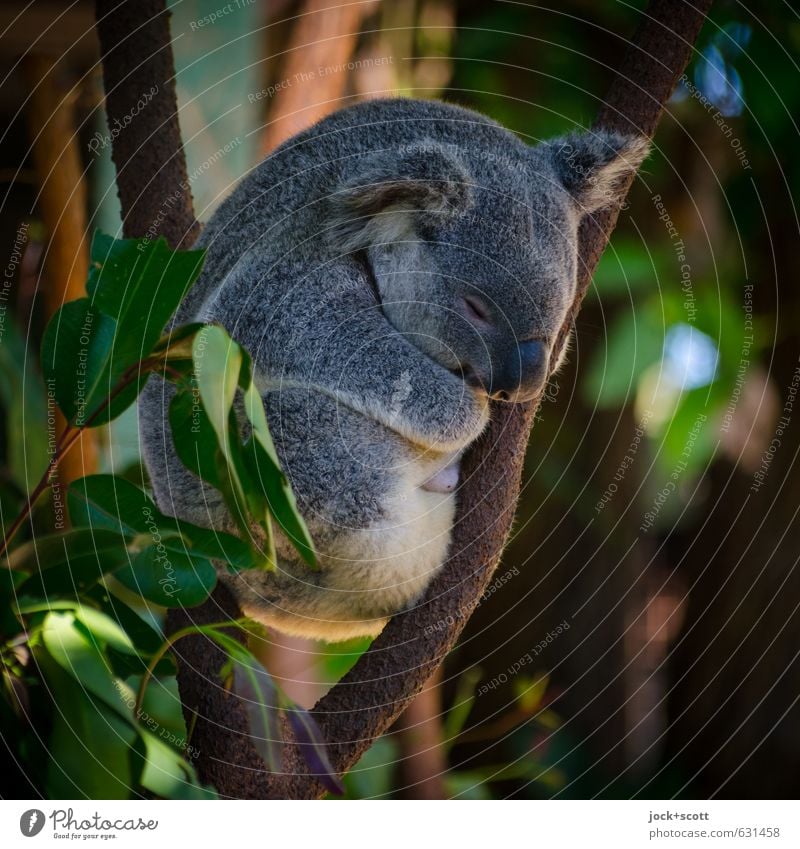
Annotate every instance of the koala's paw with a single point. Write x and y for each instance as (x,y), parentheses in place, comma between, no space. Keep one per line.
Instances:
(454,419)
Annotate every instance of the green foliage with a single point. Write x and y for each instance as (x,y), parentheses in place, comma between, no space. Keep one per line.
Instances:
(92,345)
(80,610)
(207,429)
(24,400)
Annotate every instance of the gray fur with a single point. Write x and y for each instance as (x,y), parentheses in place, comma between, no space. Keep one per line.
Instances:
(340,263)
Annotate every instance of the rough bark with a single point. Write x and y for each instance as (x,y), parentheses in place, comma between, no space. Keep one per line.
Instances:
(142,110)
(410,649)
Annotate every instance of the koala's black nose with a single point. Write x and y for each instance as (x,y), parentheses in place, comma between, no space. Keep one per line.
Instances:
(522,374)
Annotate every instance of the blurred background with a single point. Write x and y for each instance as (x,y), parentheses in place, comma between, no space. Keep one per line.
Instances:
(641,636)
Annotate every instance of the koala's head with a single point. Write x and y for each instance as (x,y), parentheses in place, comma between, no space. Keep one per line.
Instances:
(474,249)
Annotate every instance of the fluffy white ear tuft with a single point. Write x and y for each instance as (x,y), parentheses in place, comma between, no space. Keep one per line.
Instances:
(594,166)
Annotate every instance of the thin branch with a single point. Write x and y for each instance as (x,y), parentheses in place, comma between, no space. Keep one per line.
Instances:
(158,656)
(69,436)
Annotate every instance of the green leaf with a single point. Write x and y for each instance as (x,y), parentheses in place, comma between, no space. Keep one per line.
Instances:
(218,545)
(92,343)
(68,562)
(142,634)
(194,438)
(169,578)
(207,438)
(107,501)
(167,774)
(23,397)
(139,284)
(73,649)
(254,409)
(198,448)
(254,685)
(90,749)
(265,473)
(161,709)
(179,341)
(104,629)
(76,359)
(217,362)
(266,477)
(101,754)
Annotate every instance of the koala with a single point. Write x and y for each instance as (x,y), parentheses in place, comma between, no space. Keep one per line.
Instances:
(391,270)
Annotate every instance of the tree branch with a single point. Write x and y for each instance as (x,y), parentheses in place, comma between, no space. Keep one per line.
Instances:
(142,110)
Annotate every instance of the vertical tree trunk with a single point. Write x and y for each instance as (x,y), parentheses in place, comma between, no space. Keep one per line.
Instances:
(423,759)
(142,109)
(313,77)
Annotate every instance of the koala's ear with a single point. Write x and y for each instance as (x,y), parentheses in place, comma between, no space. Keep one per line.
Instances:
(393,192)
(592,166)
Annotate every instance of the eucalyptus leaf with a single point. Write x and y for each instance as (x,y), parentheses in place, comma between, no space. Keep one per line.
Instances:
(107,501)
(77,351)
(144,636)
(68,562)
(139,283)
(167,773)
(90,748)
(169,578)
(194,438)
(268,479)
(208,440)
(93,345)
(82,659)
(104,629)
(254,685)
(161,708)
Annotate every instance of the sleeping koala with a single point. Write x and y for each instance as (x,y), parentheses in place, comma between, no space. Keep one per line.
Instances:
(390,270)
